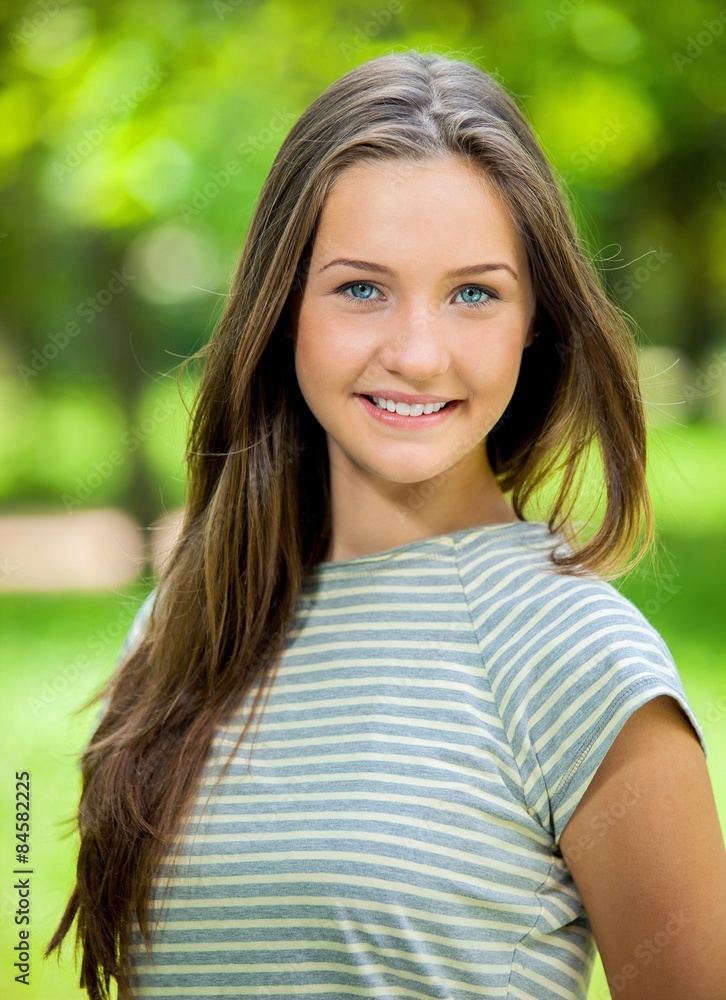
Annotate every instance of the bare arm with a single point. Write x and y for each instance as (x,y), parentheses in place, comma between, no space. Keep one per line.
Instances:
(653,884)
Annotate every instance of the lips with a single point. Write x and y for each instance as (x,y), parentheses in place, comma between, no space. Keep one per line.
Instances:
(402,420)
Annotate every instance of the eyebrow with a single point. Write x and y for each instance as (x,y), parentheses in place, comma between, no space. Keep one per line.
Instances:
(459,272)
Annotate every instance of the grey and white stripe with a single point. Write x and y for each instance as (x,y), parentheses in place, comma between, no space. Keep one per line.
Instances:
(438,713)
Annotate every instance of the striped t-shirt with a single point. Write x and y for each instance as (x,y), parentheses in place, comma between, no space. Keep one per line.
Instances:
(438,712)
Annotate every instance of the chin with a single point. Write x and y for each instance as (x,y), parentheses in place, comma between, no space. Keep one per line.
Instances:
(400,471)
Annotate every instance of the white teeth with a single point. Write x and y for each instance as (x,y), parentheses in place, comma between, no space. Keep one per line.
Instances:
(406,409)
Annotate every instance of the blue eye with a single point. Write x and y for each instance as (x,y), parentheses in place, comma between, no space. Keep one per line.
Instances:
(482,291)
(346,292)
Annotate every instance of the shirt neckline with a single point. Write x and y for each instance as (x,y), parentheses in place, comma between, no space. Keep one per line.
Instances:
(385,554)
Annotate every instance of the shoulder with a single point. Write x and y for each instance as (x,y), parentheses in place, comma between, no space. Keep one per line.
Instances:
(512,587)
(568,659)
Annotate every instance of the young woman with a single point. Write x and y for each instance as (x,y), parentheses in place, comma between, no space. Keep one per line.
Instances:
(477,760)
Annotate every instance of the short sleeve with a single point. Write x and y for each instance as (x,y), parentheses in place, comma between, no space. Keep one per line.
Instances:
(579,661)
(629,684)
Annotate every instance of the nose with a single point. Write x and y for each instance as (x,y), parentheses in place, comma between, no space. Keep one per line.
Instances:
(415,345)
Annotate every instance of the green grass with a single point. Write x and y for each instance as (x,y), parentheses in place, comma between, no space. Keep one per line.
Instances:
(56,650)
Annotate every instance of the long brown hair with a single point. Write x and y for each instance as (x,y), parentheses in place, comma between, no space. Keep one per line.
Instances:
(258,516)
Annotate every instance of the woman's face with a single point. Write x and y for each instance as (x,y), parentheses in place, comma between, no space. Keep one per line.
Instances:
(400,323)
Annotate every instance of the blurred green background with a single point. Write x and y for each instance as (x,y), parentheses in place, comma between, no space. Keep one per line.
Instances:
(134,141)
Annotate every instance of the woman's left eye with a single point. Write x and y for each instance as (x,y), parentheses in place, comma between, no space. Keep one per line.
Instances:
(489,296)
(486,299)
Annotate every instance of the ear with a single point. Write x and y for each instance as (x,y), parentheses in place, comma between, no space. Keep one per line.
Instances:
(533,331)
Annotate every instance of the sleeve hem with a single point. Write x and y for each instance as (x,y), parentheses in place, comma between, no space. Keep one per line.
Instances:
(561,813)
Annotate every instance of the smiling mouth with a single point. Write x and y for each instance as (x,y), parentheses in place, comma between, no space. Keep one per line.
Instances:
(419,418)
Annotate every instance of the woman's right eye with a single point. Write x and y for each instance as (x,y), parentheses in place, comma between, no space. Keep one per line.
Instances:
(345,291)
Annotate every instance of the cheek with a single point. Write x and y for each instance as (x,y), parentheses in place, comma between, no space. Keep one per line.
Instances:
(325,355)
(309,356)
(492,365)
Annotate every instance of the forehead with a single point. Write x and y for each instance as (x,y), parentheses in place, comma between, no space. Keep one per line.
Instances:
(448,204)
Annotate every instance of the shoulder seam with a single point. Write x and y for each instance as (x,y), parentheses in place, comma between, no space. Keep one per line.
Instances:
(530,810)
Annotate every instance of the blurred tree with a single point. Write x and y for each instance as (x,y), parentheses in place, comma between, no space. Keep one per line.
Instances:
(135,139)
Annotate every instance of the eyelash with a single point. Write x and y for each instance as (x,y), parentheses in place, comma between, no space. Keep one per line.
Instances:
(473,305)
